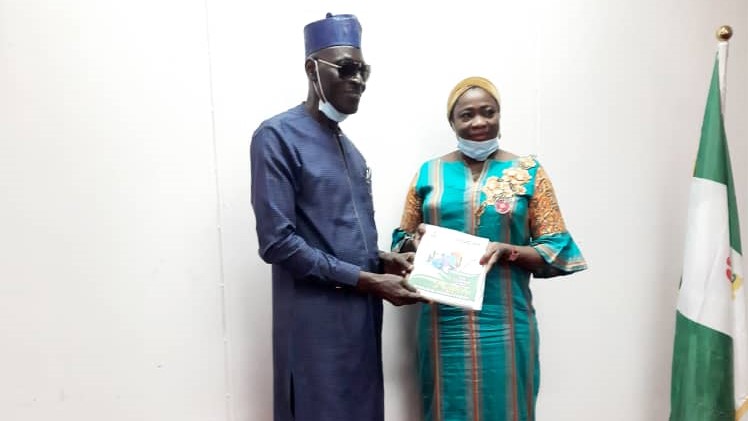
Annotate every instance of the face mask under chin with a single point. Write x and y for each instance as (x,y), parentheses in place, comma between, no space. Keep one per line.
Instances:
(331,112)
(324,105)
(479,151)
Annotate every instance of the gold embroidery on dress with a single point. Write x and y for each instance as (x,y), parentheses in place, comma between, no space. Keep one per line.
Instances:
(500,191)
(545,215)
(412,212)
(527,162)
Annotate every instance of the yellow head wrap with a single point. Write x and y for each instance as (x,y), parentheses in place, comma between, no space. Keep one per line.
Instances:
(464,85)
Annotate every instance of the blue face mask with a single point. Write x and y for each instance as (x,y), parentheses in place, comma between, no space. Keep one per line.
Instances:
(324,105)
(331,112)
(479,151)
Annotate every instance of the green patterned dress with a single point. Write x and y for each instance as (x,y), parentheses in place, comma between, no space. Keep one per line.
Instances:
(483,365)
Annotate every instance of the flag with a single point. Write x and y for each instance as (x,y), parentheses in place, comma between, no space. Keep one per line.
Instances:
(710,361)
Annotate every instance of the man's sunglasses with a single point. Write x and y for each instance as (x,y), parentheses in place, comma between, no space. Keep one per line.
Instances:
(349,68)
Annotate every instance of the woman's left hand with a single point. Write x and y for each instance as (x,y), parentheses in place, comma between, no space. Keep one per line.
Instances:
(495,252)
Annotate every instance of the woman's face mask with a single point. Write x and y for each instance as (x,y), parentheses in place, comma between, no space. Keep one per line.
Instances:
(478,150)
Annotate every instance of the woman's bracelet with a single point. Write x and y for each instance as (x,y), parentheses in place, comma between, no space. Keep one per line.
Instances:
(406,243)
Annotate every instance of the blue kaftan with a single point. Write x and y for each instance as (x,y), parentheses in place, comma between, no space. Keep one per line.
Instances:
(311,196)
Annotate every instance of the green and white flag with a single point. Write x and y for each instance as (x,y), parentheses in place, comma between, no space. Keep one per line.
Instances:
(710,356)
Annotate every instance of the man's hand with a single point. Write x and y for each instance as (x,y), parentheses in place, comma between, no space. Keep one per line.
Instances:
(392,288)
(397,263)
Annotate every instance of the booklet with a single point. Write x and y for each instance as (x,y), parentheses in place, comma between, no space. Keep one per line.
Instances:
(447,267)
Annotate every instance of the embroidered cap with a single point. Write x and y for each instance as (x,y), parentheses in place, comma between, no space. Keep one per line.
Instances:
(333,30)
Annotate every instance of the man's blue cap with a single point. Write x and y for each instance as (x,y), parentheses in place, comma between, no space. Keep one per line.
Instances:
(332,31)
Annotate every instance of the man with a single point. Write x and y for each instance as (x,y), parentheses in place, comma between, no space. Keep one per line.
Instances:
(311,195)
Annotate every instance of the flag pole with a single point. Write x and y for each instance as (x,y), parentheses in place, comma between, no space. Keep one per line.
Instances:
(739,336)
(724,33)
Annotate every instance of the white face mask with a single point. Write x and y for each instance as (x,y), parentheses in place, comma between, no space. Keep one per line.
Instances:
(324,105)
(478,150)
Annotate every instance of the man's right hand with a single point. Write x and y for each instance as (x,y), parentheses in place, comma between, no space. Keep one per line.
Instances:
(392,288)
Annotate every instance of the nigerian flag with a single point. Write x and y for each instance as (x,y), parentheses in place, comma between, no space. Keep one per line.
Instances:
(710,361)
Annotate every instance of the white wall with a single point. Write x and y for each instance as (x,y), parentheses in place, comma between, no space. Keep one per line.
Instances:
(131,286)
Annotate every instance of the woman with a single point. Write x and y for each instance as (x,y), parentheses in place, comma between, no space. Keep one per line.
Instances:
(483,365)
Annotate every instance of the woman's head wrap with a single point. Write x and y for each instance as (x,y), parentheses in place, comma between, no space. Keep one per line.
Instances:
(468,83)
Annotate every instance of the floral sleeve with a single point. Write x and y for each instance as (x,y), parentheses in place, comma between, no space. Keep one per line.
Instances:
(548,232)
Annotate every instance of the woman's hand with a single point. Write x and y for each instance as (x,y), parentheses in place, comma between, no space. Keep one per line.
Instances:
(410,244)
(496,252)
(419,233)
